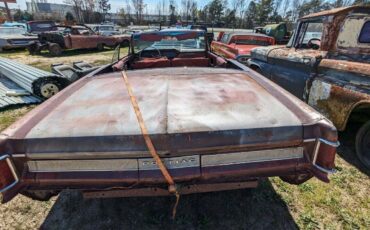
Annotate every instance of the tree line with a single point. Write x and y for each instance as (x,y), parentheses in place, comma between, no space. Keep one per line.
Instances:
(232,13)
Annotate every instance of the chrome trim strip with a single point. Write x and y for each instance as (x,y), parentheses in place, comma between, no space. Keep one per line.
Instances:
(333,144)
(330,143)
(316,152)
(83,165)
(328,171)
(12,169)
(252,157)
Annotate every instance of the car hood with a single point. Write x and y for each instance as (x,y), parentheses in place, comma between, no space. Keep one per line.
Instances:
(18,36)
(262,52)
(183,108)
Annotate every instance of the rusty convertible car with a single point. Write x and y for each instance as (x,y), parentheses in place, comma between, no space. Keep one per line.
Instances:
(75,37)
(327,64)
(213,123)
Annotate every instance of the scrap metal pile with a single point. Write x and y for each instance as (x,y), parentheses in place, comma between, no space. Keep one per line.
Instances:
(23,84)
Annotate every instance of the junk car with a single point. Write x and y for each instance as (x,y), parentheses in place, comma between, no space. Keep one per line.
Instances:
(171,116)
(238,45)
(327,65)
(106,30)
(15,37)
(75,37)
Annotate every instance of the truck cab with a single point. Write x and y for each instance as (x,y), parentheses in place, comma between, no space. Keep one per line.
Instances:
(327,64)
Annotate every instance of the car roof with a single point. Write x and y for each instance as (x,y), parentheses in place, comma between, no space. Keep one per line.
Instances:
(248,33)
(340,10)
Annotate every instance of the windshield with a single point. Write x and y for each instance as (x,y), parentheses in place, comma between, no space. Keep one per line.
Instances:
(251,40)
(42,26)
(11,31)
(180,40)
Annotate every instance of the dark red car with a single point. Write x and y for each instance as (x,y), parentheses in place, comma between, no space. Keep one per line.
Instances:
(214,125)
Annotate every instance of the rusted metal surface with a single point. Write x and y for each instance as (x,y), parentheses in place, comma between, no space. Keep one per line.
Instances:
(339,89)
(209,125)
(200,188)
(81,37)
(334,79)
(335,11)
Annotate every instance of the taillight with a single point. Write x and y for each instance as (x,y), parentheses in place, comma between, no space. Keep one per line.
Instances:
(8,175)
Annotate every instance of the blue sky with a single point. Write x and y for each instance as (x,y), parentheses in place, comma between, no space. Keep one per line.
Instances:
(116,4)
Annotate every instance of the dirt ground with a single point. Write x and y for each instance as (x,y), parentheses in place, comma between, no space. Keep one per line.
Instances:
(344,203)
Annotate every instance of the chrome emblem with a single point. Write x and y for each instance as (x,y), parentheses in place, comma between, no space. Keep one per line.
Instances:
(170,163)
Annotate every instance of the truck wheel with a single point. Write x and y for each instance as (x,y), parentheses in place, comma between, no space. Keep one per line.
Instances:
(363,144)
(100,47)
(33,49)
(55,49)
(48,88)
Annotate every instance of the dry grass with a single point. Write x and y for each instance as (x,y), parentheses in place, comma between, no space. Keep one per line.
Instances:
(342,204)
(68,57)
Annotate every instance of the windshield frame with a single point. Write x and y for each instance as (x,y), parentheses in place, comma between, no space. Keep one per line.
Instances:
(163,33)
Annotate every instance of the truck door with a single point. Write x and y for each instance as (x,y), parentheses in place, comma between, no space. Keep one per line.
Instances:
(293,65)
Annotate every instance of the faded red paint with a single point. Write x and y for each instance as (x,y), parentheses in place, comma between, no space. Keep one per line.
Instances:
(232,49)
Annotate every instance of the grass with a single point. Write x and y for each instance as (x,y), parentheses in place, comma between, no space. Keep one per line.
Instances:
(44,60)
(342,204)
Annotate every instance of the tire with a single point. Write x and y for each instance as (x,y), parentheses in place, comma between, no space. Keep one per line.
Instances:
(40,195)
(297,179)
(363,144)
(100,47)
(48,88)
(33,49)
(55,49)
(257,69)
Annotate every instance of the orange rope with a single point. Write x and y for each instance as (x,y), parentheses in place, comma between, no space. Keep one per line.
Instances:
(172,186)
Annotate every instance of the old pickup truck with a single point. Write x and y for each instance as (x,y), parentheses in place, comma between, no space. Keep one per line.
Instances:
(75,37)
(238,45)
(171,113)
(331,73)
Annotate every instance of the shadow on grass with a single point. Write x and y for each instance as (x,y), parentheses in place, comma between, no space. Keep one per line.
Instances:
(260,208)
(347,147)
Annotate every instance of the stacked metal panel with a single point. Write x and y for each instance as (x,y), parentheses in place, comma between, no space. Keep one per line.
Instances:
(12,94)
(22,75)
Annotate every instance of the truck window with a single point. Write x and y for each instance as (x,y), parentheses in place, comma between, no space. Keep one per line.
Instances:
(308,31)
(365,33)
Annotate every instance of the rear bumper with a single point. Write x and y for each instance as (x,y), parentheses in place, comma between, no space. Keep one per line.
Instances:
(216,172)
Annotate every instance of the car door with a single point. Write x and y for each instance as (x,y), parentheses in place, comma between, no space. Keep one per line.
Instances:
(292,66)
(83,38)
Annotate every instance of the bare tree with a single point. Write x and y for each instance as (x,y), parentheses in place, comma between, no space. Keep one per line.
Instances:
(284,8)
(186,8)
(139,7)
(77,8)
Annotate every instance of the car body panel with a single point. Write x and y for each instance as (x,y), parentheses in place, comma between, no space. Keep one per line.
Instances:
(16,38)
(208,125)
(228,47)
